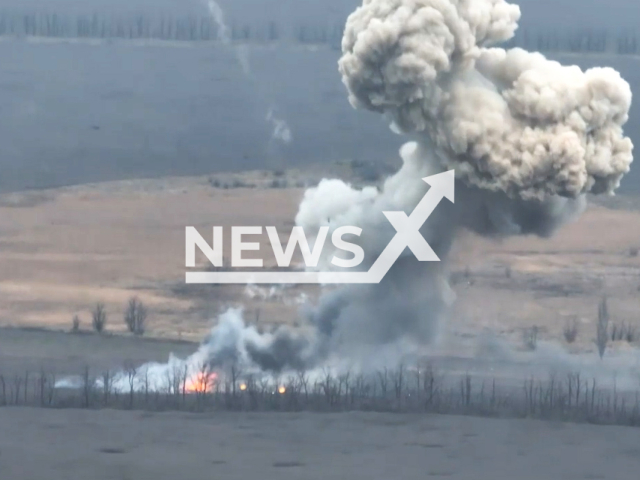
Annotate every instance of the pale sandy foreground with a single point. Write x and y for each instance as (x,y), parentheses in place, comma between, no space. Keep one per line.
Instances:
(89,445)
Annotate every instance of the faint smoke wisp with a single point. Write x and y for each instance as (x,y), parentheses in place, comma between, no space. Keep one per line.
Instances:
(280,130)
(224,34)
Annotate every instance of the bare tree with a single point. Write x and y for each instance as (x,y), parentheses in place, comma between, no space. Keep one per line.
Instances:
(131,371)
(135,316)
(88,385)
(99,317)
(602,327)
(107,384)
(75,324)
(303,381)
(205,379)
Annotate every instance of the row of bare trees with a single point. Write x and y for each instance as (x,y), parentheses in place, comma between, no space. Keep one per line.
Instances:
(418,389)
(135,318)
(203,28)
(605,331)
(186,28)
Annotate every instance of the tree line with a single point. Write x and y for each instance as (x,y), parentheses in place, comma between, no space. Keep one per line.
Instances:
(417,389)
(196,28)
(171,28)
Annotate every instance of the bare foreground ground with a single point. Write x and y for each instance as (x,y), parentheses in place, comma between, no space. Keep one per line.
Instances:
(113,445)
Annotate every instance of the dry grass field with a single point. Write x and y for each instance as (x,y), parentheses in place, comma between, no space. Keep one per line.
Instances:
(64,250)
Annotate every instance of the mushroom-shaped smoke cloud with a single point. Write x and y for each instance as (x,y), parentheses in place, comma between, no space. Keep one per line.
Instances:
(507,120)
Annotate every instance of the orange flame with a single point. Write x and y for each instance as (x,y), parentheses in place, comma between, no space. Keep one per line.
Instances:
(200,383)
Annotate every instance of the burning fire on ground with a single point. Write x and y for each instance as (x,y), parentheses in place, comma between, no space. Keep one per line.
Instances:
(201,383)
(206,382)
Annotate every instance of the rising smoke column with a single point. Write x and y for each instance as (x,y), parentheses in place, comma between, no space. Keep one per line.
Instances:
(527,137)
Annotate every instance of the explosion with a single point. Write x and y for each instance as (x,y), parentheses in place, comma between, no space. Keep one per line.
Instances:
(528,139)
(200,382)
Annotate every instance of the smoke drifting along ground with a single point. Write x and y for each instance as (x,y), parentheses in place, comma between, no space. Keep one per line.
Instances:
(527,137)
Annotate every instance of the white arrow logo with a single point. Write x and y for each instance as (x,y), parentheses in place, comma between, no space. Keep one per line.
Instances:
(407,235)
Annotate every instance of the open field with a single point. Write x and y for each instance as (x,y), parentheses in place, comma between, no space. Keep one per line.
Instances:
(105,445)
(107,242)
(35,350)
(62,251)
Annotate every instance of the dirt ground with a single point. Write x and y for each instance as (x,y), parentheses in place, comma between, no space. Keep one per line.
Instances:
(63,250)
(106,445)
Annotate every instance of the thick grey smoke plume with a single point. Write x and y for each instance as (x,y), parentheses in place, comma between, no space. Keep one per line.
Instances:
(527,137)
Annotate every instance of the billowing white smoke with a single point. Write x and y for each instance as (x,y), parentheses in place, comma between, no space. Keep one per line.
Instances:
(527,137)
(507,120)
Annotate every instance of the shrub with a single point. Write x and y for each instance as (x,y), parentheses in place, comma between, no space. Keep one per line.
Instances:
(282,183)
(623,332)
